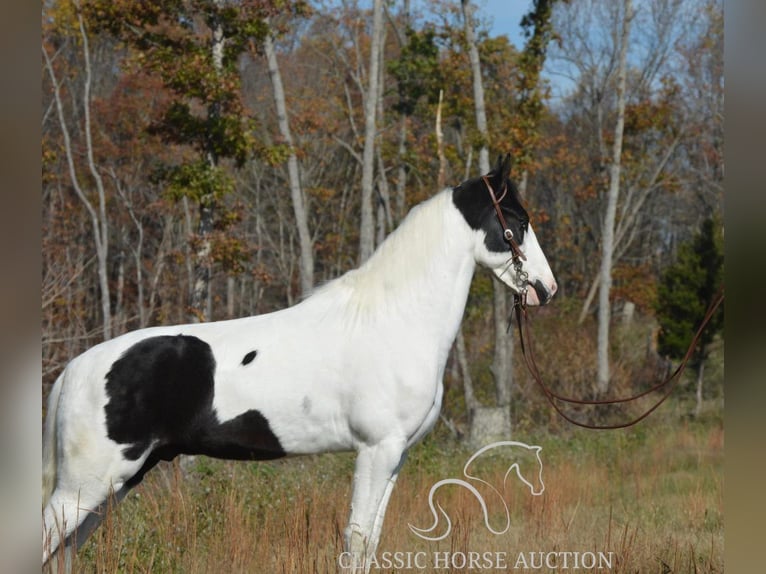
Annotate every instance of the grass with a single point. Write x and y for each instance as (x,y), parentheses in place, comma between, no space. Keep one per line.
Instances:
(651,495)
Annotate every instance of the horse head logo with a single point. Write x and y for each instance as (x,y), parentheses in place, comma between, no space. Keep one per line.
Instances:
(533,480)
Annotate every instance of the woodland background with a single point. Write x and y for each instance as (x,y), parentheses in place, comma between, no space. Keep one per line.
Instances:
(208,159)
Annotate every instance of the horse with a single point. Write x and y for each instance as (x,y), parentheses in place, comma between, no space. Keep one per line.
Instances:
(536,488)
(355,366)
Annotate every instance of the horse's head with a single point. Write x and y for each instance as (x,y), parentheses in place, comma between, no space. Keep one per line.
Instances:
(474,199)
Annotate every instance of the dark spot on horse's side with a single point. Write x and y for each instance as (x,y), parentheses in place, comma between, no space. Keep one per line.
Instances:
(249,357)
(161,397)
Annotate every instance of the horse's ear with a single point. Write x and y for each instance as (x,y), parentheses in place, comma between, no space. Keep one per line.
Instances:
(505,169)
(502,166)
(502,169)
(498,164)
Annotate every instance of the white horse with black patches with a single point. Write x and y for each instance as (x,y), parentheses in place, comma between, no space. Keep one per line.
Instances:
(358,365)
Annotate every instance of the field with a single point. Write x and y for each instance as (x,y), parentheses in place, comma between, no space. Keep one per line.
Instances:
(649,498)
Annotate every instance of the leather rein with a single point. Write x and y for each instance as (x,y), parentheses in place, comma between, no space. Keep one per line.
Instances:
(522,321)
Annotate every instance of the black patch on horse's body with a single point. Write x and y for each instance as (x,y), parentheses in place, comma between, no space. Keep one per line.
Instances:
(473,200)
(161,397)
(249,357)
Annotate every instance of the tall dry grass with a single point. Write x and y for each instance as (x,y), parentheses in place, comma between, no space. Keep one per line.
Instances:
(651,495)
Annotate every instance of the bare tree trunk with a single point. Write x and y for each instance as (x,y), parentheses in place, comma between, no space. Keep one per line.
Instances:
(385,219)
(103,245)
(401,179)
(367,224)
(462,359)
(592,290)
(230,292)
(493,422)
(119,319)
(502,363)
(296,192)
(700,377)
(99,222)
(607,244)
(626,227)
(478,86)
(199,300)
(441,178)
(137,250)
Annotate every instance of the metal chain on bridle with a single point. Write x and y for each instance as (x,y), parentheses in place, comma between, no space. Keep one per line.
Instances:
(522,321)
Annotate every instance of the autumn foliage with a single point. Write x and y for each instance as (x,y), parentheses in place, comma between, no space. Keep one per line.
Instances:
(170,133)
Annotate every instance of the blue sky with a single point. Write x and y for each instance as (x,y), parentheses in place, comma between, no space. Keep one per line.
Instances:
(505,16)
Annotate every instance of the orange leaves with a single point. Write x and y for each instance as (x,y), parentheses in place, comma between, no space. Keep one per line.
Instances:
(636,283)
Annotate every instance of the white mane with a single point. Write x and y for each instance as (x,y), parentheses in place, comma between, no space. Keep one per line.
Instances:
(401,263)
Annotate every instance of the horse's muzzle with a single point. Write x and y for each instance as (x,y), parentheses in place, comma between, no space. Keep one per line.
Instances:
(540,293)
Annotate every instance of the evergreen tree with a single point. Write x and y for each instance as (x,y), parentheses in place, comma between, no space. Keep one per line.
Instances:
(686,290)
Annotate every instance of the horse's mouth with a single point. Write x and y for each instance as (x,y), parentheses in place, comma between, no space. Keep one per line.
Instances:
(537,294)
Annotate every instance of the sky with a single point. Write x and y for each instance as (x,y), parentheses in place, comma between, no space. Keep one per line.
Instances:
(505,16)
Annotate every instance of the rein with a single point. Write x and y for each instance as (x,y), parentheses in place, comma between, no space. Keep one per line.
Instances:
(522,320)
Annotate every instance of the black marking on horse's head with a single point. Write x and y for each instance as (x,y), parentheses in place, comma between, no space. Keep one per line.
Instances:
(473,200)
(543,294)
(161,397)
(249,357)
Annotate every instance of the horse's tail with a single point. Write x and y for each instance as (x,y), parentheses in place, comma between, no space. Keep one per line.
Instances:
(49,440)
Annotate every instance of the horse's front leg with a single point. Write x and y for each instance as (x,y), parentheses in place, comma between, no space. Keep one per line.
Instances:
(377,467)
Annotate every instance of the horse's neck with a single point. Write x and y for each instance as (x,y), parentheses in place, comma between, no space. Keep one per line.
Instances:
(421,272)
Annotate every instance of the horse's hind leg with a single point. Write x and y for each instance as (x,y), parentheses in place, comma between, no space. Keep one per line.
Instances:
(69,539)
(80,500)
(68,518)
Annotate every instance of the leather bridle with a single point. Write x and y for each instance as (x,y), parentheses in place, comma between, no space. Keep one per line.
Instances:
(516,255)
(507,233)
(522,321)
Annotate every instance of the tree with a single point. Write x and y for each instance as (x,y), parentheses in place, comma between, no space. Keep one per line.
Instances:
(99,220)
(367,225)
(656,132)
(687,288)
(610,215)
(525,113)
(296,191)
(194,47)
(489,420)
(480,108)
(417,74)
(538,30)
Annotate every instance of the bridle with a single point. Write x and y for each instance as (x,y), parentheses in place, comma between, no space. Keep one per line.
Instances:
(516,255)
(522,321)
